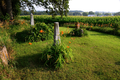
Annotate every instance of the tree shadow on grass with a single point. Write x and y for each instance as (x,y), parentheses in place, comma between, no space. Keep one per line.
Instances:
(117,37)
(31,62)
(69,35)
(117,63)
(99,34)
(20,36)
(98,72)
(104,34)
(71,26)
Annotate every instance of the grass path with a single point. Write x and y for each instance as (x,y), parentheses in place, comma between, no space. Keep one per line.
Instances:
(97,57)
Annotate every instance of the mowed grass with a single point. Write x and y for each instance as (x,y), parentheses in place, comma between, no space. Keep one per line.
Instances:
(96,57)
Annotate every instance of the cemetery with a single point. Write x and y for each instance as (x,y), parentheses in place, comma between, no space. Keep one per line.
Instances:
(31,49)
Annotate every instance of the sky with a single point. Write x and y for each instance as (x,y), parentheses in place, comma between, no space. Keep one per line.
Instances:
(92,5)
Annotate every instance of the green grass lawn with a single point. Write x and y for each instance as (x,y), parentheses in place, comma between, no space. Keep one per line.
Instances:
(96,57)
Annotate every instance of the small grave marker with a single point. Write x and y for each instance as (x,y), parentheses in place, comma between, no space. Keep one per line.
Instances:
(31,19)
(56,33)
(4,55)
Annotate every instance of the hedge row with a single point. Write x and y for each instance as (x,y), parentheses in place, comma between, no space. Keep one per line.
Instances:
(95,21)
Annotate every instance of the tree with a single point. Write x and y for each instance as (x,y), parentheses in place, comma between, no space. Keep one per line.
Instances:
(9,9)
(70,13)
(107,14)
(12,7)
(91,13)
(117,14)
(76,13)
(98,14)
(85,13)
(58,7)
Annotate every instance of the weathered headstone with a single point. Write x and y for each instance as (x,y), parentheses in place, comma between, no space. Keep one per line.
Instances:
(4,55)
(56,33)
(31,19)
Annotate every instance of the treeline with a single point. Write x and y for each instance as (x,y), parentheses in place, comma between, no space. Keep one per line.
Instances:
(45,13)
(35,13)
(74,13)
(117,14)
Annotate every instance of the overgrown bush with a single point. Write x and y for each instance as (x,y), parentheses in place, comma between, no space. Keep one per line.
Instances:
(55,56)
(116,25)
(79,32)
(40,32)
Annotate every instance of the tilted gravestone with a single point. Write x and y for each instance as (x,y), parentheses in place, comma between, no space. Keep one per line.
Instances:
(31,19)
(56,33)
(4,55)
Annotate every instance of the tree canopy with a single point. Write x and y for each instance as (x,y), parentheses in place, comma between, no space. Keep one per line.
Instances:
(91,13)
(11,8)
(117,14)
(85,13)
(107,14)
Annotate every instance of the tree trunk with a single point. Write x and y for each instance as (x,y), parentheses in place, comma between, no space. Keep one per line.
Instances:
(0,13)
(2,9)
(9,8)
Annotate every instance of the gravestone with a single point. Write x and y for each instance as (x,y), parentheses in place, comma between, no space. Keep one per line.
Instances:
(56,33)
(31,19)
(4,55)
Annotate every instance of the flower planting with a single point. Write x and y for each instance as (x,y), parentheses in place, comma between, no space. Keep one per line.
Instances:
(41,32)
(56,56)
(79,32)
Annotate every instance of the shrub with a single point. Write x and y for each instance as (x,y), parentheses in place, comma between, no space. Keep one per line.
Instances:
(41,32)
(79,32)
(116,25)
(55,56)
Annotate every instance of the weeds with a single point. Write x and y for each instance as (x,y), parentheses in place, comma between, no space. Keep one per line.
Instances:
(56,55)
